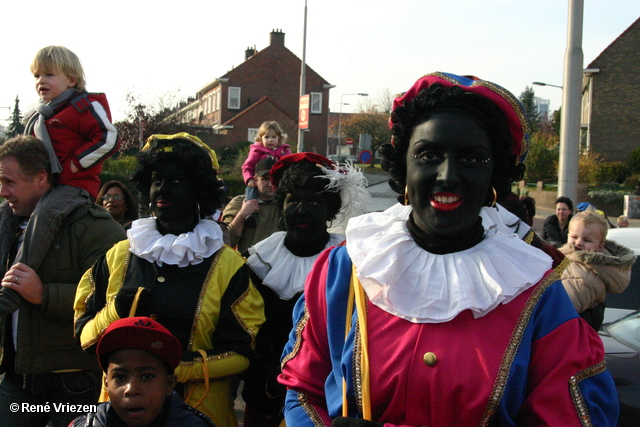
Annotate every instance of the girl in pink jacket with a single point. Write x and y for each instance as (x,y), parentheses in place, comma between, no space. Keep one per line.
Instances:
(270,141)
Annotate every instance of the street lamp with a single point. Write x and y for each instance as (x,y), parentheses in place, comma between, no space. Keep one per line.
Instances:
(340,115)
(546,84)
(329,122)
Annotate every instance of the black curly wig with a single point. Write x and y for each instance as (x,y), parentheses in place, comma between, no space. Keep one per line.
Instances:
(195,163)
(304,175)
(438,98)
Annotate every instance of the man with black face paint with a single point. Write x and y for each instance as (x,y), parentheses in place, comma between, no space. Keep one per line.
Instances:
(311,191)
(247,229)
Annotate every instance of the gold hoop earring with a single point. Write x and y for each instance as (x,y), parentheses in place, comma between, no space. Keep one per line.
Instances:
(406,196)
(495,197)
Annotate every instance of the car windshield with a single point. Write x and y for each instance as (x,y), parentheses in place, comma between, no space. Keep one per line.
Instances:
(626,330)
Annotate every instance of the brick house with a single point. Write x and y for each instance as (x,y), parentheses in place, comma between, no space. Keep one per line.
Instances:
(266,86)
(611,98)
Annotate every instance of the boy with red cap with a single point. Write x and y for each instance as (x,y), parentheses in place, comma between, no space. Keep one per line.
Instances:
(138,356)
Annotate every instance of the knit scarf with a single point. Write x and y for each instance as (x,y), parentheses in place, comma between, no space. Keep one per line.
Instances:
(36,124)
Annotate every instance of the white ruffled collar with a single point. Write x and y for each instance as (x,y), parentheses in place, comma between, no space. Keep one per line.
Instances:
(186,249)
(279,269)
(403,279)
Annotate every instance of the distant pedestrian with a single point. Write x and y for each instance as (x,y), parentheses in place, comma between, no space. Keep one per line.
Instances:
(623,221)
(556,226)
(244,233)
(115,197)
(270,142)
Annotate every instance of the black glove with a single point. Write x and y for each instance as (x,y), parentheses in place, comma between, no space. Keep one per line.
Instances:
(124,299)
(353,422)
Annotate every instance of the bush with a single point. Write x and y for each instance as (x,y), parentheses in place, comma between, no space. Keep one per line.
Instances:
(587,166)
(608,197)
(632,181)
(611,172)
(634,161)
(119,168)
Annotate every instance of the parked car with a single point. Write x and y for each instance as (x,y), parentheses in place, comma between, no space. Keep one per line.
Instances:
(630,298)
(621,340)
(621,333)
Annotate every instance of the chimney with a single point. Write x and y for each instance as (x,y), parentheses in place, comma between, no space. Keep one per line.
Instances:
(277,38)
(249,53)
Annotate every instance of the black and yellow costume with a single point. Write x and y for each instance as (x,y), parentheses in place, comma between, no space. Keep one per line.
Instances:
(211,307)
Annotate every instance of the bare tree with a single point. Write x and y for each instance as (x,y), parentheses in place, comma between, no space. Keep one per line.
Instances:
(146,119)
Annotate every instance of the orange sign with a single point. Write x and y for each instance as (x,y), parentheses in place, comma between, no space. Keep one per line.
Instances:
(303,120)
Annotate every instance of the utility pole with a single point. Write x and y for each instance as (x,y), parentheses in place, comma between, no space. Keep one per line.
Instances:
(571,104)
(303,75)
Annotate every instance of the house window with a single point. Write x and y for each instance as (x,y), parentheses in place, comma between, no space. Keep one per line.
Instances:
(316,103)
(251,134)
(234,98)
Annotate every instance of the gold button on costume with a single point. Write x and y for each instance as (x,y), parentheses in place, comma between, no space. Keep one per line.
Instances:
(429,358)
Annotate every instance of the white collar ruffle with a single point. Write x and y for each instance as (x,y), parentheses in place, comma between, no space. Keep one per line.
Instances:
(279,269)
(189,248)
(405,280)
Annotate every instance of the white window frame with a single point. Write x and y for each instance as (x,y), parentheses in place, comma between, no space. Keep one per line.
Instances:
(230,104)
(252,133)
(315,103)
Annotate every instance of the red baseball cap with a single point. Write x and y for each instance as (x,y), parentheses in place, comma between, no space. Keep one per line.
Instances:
(142,333)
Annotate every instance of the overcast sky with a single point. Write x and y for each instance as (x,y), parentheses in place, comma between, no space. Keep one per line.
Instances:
(152,48)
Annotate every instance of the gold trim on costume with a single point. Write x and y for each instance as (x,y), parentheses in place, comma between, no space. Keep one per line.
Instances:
(239,319)
(298,343)
(562,267)
(313,415)
(528,238)
(576,394)
(356,358)
(512,348)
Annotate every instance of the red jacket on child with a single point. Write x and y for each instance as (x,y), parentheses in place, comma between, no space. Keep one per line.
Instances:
(81,132)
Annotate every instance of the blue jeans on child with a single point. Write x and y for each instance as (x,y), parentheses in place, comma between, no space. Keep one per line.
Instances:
(250,193)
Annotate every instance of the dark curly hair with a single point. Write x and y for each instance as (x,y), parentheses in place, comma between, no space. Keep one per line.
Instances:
(195,163)
(304,175)
(438,98)
(131,209)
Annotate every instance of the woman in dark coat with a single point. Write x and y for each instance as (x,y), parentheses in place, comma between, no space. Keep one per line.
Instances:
(556,227)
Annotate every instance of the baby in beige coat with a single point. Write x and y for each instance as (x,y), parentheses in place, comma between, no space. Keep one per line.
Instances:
(597,266)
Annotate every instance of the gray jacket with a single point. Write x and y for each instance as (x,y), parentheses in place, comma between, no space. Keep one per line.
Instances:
(45,332)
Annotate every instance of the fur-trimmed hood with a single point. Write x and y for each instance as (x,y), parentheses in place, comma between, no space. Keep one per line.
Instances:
(614,255)
(590,275)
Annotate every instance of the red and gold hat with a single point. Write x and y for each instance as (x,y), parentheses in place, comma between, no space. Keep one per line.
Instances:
(502,98)
(141,333)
